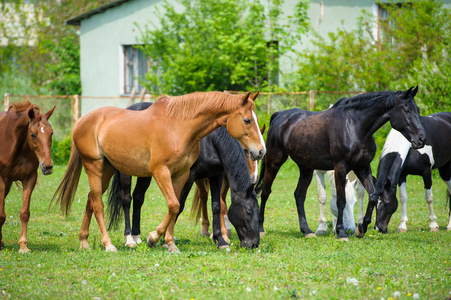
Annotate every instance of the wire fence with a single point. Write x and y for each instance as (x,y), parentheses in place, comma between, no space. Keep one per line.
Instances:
(69,106)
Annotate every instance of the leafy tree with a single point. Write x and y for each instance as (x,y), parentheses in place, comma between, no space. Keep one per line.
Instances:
(413,49)
(218,45)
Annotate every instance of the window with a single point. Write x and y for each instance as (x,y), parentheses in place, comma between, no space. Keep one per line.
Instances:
(136,65)
(382,14)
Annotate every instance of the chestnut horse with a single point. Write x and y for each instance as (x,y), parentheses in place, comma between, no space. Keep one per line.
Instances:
(339,139)
(26,138)
(161,142)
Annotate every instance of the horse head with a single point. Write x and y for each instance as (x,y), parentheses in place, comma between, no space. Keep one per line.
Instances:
(39,137)
(387,205)
(243,126)
(243,214)
(252,165)
(405,118)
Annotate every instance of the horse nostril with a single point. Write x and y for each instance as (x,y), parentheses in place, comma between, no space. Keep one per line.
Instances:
(260,153)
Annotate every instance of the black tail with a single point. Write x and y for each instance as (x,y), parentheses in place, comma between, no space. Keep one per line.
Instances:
(449,202)
(259,185)
(115,202)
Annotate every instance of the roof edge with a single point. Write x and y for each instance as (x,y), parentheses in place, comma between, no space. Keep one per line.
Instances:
(76,21)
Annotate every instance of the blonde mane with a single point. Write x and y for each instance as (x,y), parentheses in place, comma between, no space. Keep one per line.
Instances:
(191,105)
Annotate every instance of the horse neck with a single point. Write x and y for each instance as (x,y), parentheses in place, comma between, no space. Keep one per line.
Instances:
(369,120)
(234,161)
(16,133)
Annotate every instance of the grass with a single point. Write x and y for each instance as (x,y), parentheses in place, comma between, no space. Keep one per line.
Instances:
(286,265)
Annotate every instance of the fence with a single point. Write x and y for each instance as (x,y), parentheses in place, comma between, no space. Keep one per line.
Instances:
(68,107)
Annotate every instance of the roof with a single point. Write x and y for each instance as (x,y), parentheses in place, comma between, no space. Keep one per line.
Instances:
(77,20)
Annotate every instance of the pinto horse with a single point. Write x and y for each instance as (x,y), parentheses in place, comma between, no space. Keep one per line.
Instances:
(219,152)
(398,160)
(26,139)
(339,139)
(161,142)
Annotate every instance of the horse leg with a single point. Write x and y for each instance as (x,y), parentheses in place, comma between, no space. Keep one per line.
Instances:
(167,186)
(305,177)
(403,200)
(271,168)
(226,228)
(366,179)
(202,188)
(99,175)
(28,187)
(360,196)
(126,183)
(142,184)
(340,185)
(427,179)
(4,190)
(215,188)
(322,199)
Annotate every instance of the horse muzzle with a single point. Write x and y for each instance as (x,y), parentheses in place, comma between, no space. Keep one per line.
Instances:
(418,143)
(254,155)
(46,169)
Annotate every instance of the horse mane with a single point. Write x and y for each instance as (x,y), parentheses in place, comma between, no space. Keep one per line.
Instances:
(20,106)
(191,105)
(366,100)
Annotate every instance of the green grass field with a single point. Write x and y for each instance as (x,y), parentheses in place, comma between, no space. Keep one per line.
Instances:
(416,264)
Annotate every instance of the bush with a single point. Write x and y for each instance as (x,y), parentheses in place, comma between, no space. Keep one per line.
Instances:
(61,151)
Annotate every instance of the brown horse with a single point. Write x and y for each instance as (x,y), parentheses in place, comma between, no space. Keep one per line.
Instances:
(161,142)
(26,138)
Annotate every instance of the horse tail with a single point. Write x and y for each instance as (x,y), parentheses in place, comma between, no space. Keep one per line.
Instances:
(65,193)
(448,201)
(114,203)
(259,185)
(196,207)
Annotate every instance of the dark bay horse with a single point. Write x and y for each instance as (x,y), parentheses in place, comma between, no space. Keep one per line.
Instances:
(25,142)
(339,139)
(219,152)
(398,160)
(161,142)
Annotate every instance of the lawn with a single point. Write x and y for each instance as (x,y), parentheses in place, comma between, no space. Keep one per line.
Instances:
(416,264)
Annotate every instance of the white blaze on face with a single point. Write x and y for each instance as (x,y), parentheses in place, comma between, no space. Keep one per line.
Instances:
(262,141)
(397,143)
(42,129)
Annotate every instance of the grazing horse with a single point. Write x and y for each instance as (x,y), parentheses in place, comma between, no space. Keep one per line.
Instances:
(352,184)
(398,160)
(161,142)
(339,139)
(25,141)
(219,152)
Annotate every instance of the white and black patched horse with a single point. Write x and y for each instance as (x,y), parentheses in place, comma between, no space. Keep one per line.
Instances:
(398,160)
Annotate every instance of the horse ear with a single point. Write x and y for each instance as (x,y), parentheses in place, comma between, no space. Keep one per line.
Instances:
(250,189)
(406,93)
(414,91)
(254,96)
(31,113)
(262,130)
(245,98)
(49,113)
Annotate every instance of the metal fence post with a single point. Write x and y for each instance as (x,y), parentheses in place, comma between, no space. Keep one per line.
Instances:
(312,100)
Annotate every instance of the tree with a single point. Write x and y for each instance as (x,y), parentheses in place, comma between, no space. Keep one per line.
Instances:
(218,45)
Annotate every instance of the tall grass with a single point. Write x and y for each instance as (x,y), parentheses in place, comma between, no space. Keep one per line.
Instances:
(286,265)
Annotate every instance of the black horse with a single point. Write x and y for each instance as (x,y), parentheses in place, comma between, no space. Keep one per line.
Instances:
(398,160)
(219,153)
(339,139)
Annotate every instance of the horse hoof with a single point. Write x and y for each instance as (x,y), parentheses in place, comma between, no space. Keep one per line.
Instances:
(130,242)
(24,250)
(310,235)
(435,229)
(358,233)
(262,234)
(172,248)
(321,232)
(111,248)
(401,230)
(205,233)
(447,228)
(131,245)
(226,239)
(137,239)
(150,241)
(343,239)
(226,247)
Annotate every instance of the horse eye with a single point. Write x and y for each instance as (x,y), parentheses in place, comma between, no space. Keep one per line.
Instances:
(33,136)
(247,121)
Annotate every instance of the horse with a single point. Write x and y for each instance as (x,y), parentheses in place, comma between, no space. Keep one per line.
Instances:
(398,160)
(26,139)
(219,152)
(161,142)
(352,185)
(340,138)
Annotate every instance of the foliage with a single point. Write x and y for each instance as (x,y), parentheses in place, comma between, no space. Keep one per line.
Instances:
(61,151)
(286,265)
(218,45)
(414,41)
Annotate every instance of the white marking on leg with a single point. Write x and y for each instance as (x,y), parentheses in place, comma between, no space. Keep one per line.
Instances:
(403,199)
(129,242)
(322,198)
(432,218)
(137,239)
